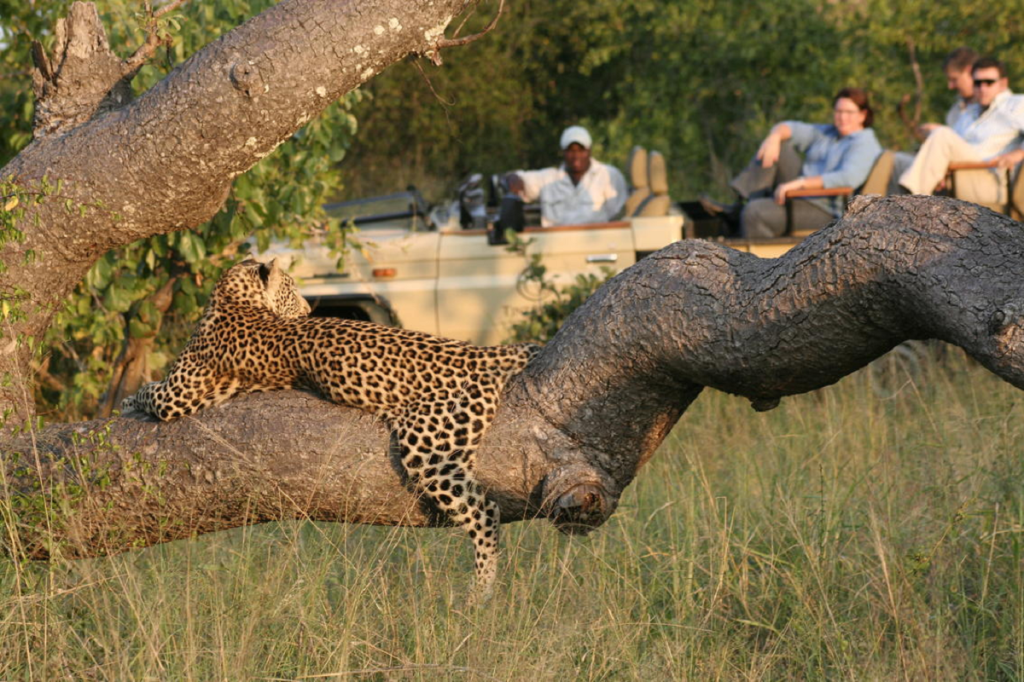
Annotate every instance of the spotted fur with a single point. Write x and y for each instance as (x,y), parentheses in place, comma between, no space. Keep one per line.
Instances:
(438,396)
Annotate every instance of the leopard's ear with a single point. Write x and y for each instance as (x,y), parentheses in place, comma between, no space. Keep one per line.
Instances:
(264,273)
(274,277)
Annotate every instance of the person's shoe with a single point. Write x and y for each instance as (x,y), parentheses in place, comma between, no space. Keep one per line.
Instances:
(729,214)
(714,208)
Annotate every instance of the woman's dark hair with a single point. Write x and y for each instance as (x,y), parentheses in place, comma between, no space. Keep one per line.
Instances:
(859,97)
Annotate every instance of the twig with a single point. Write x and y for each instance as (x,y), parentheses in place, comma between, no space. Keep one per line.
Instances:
(440,99)
(469,15)
(913,126)
(153,37)
(465,40)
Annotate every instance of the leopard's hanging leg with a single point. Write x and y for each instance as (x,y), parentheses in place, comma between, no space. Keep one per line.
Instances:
(438,445)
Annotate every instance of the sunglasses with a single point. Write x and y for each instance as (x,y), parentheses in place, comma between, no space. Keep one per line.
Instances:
(985,81)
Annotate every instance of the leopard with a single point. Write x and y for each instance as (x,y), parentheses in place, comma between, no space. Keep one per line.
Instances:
(436,396)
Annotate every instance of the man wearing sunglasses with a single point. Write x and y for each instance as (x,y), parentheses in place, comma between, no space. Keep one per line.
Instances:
(990,129)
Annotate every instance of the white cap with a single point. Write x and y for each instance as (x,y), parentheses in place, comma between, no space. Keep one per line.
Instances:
(577,134)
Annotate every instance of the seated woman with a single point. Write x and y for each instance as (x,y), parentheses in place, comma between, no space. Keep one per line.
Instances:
(837,155)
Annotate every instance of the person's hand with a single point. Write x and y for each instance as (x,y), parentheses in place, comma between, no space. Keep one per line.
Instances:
(929,128)
(769,151)
(515,184)
(785,188)
(1010,159)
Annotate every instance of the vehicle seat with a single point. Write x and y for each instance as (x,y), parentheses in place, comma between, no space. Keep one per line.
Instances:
(1017,193)
(880,175)
(1012,179)
(658,203)
(637,169)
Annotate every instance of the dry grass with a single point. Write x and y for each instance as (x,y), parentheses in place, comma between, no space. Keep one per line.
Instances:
(837,537)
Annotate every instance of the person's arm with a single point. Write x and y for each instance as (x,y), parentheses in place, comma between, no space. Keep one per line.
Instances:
(528,184)
(1009,159)
(618,192)
(813,182)
(1012,158)
(768,152)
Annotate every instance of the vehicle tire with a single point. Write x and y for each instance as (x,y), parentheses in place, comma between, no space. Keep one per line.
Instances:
(366,310)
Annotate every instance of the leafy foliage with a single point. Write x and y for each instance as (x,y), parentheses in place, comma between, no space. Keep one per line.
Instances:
(701,81)
(556,303)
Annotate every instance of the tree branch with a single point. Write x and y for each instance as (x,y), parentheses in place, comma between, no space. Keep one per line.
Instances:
(154,40)
(913,125)
(591,409)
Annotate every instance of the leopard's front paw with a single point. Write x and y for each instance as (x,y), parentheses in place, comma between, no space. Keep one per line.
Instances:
(129,404)
(136,402)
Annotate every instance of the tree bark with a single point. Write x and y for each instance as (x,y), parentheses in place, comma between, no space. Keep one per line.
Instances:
(577,425)
(165,161)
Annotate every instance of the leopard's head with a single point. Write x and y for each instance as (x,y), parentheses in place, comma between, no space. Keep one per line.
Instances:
(263,286)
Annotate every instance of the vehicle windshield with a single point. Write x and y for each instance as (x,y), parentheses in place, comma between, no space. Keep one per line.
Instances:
(402,209)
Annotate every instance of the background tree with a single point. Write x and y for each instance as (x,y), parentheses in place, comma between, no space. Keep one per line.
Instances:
(700,81)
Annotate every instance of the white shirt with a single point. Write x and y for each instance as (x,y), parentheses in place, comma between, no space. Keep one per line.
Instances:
(996,130)
(956,111)
(598,198)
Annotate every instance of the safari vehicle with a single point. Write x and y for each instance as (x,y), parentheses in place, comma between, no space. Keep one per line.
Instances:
(444,270)
(424,270)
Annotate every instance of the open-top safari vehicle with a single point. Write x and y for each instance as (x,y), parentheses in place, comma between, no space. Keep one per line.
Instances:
(446,270)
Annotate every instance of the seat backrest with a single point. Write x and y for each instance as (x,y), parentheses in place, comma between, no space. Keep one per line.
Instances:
(1017,193)
(658,203)
(638,179)
(880,175)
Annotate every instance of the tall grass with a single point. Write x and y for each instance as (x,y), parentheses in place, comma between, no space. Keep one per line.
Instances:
(840,536)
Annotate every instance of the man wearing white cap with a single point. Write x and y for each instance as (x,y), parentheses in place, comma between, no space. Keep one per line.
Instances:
(581,190)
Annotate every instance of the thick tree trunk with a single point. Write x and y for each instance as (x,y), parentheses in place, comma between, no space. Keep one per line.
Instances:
(586,414)
(165,161)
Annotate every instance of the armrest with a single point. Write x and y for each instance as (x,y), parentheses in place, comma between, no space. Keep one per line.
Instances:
(970,165)
(820,192)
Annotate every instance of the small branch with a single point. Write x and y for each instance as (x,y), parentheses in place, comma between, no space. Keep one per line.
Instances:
(41,60)
(469,15)
(153,38)
(43,374)
(435,53)
(913,126)
(465,40)
(437,95)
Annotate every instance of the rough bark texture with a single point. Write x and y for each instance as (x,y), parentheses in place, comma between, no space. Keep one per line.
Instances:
(82,79)
(165,161)
(592,408)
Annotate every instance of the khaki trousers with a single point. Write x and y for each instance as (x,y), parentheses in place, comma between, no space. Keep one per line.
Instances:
(941,148)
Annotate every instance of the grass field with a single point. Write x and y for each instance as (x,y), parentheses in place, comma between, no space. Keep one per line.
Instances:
(839,536)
